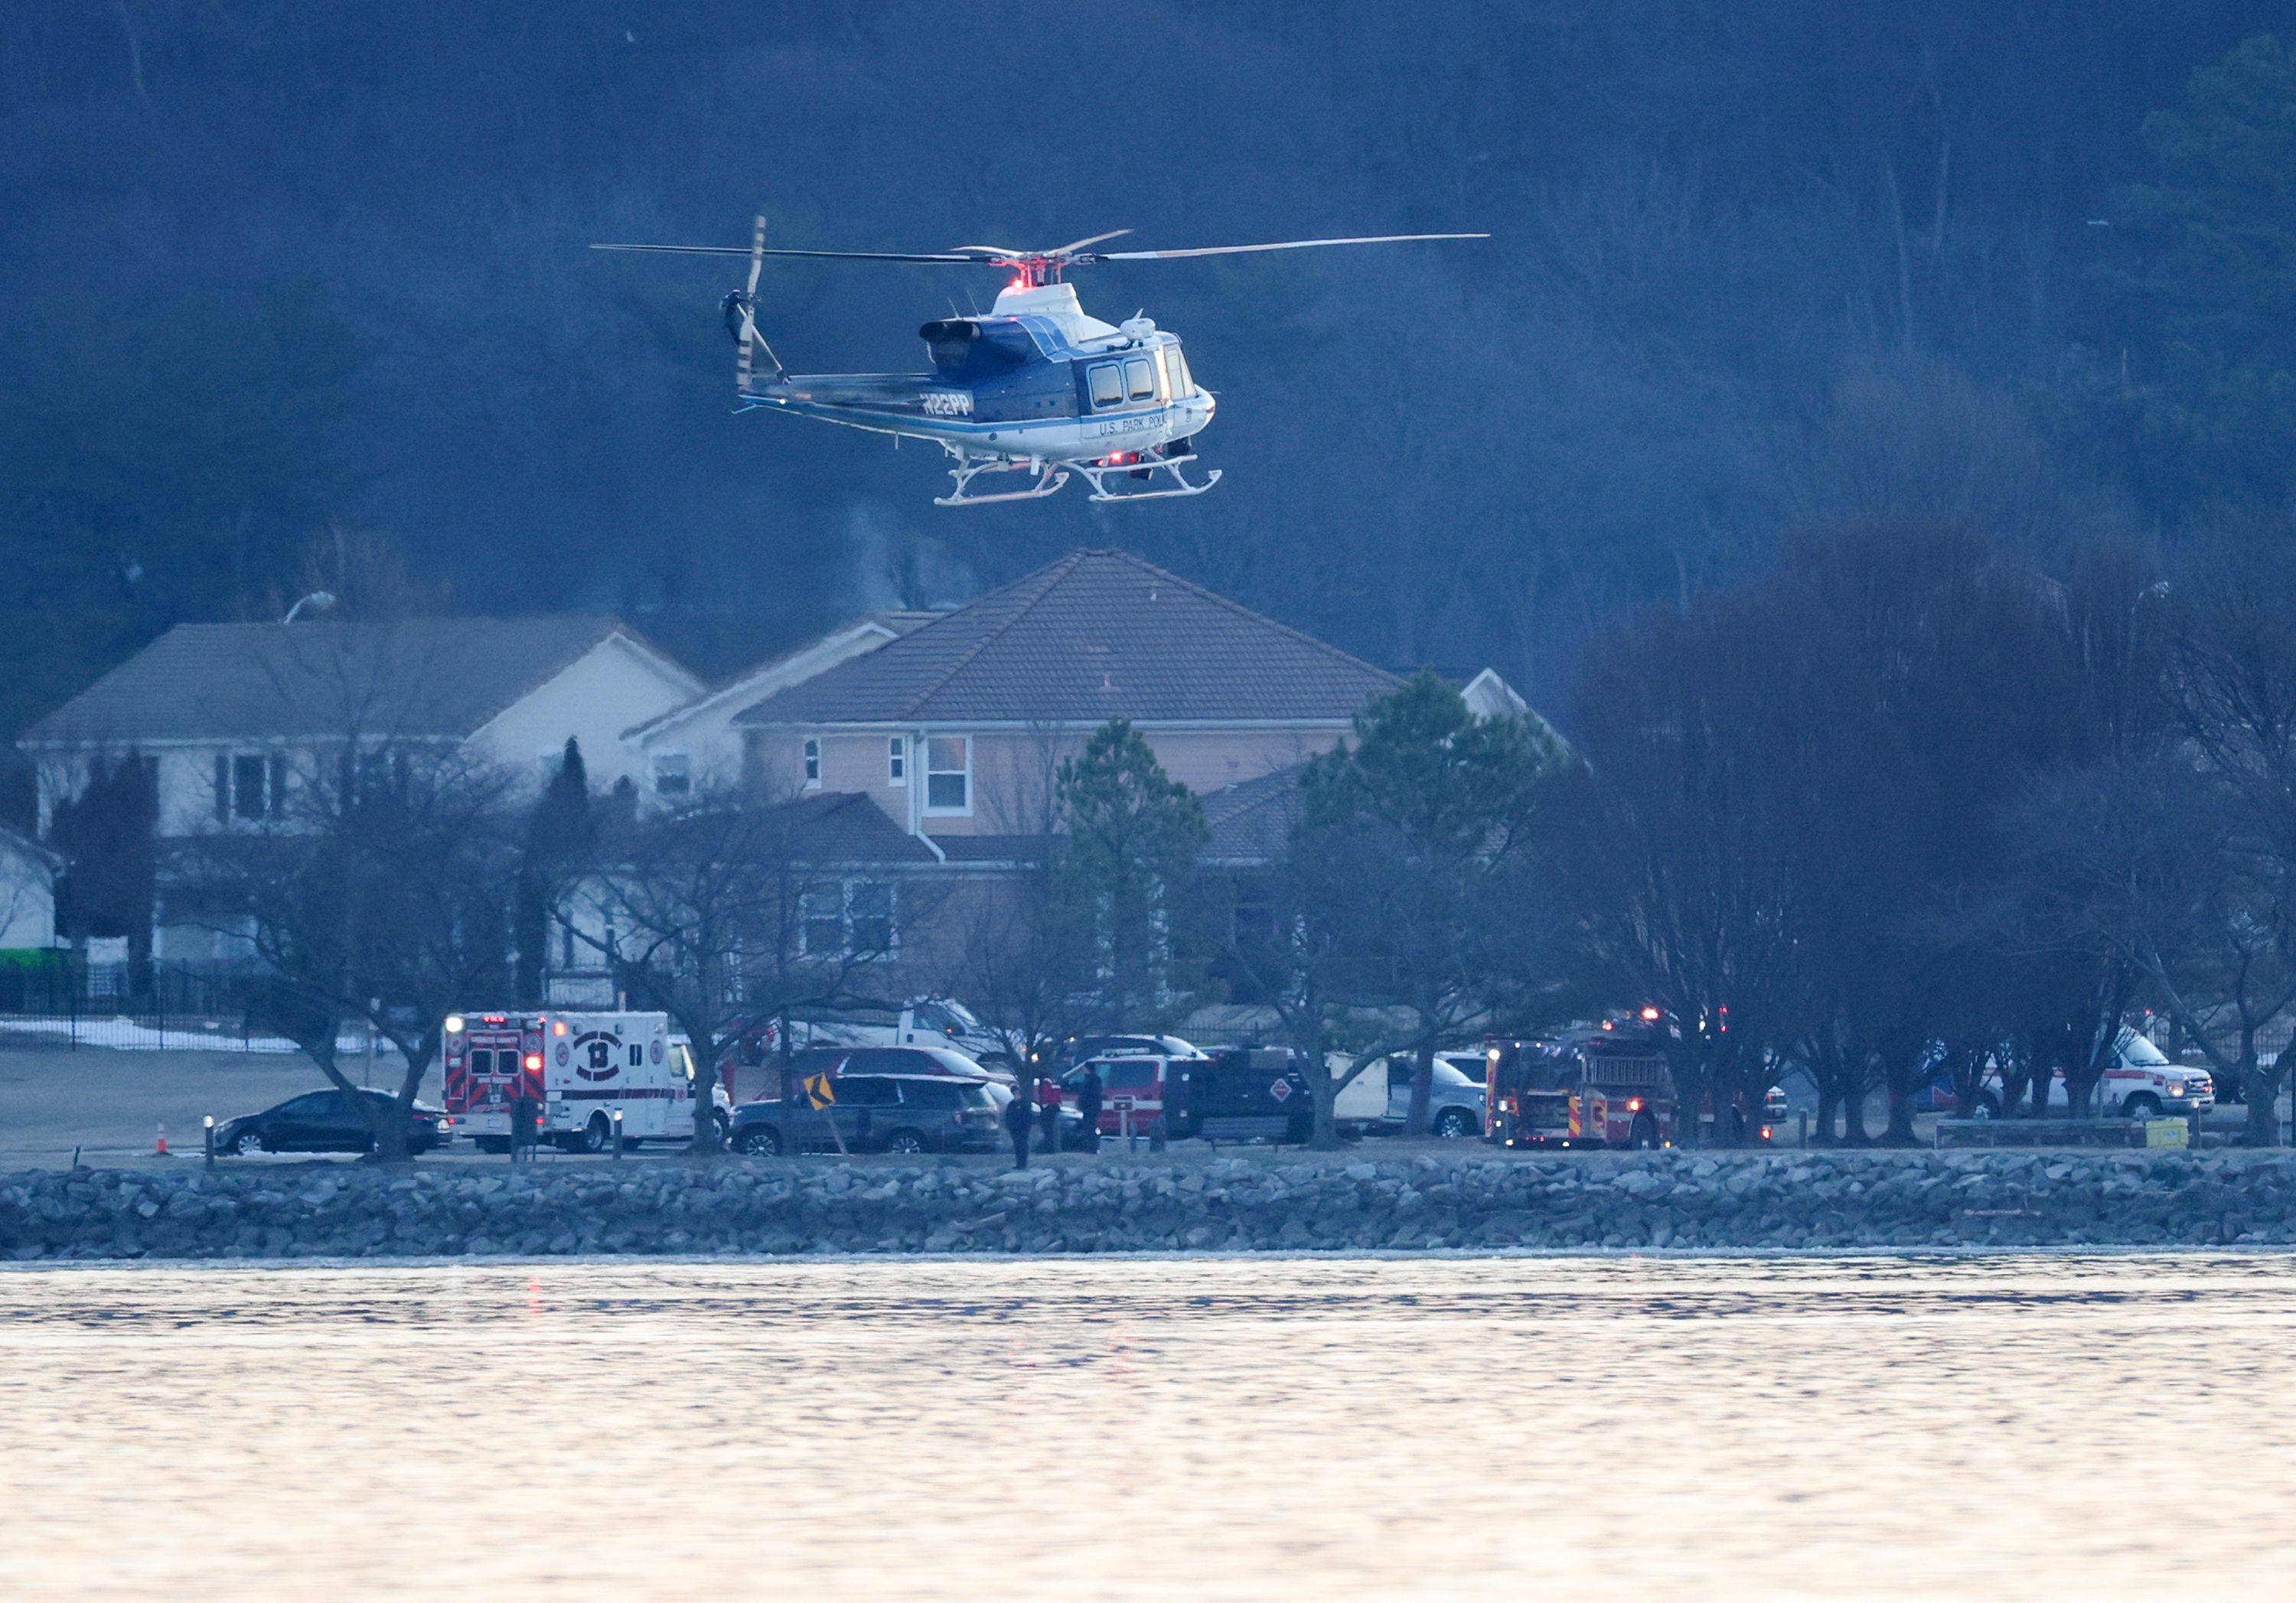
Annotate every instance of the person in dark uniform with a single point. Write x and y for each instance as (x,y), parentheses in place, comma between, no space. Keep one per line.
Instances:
(1048,1113)
(1019,1119)
(1087,1100)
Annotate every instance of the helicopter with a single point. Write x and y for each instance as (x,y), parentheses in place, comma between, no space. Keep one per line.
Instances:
(1034,387)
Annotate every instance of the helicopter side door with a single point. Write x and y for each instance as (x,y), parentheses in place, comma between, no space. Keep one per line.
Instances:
(1127,384)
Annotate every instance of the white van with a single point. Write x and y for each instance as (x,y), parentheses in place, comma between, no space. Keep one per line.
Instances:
(2141,1083)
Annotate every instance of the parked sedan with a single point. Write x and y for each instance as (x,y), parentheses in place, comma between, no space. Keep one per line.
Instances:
(875,1113)
(326,1120)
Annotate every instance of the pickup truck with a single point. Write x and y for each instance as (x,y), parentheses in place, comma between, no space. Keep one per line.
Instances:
(925,1021)
(1378,1101)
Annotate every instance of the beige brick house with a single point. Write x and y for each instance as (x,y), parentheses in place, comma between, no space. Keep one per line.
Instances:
(955,730)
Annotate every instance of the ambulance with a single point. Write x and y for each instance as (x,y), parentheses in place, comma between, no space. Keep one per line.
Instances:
(574,1072)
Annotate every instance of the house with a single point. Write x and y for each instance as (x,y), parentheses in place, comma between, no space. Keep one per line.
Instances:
(957,728)
(230,713)
(694,748)
(853,889)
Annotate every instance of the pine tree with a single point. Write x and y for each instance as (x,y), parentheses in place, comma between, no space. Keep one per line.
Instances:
(1127,868)
(559,837)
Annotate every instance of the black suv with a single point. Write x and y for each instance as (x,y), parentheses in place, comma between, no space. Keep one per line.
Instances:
(877,1113)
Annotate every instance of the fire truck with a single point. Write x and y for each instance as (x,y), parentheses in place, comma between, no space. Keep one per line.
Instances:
(573,1072)
(1582,1088)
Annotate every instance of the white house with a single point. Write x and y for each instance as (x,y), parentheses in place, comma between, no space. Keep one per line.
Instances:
(229,714)
(695,748)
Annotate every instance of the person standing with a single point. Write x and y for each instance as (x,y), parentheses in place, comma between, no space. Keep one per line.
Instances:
(1048,1112)
(1019,1117)
(1087,1096)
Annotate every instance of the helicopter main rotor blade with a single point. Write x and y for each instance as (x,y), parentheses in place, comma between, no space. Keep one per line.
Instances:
(1075,245)
(1375,239)
(847,256)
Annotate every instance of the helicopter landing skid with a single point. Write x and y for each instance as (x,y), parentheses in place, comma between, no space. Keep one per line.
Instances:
(1048,476)
(1144,467)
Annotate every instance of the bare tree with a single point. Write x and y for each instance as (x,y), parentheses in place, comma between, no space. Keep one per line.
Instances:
(732,912)
(1023,960)
(1680,872)
(378,894)
(1314,958)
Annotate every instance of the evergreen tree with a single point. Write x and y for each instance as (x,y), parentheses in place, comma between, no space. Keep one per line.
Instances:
(2207,300)
(108,836)
(1129,869)
(1415,840)
(559,834)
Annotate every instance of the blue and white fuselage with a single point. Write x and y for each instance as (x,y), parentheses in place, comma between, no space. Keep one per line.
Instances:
(1034,385)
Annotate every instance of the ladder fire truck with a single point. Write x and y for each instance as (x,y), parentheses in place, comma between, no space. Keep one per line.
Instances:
(1582,1088)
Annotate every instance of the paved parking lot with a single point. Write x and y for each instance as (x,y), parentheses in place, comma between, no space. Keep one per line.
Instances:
(109,1104)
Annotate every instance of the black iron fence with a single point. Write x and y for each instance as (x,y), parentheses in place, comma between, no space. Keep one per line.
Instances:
(59,1000)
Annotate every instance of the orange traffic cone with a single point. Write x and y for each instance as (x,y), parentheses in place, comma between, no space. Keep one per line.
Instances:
(160,1147)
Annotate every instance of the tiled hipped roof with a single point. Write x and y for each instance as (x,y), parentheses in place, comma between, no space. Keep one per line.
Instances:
(419,678)
(1099,634)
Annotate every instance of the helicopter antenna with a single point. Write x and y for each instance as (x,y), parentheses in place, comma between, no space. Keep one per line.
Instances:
(748,304)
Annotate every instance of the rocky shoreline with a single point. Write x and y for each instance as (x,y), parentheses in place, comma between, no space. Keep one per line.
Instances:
(1723,1201)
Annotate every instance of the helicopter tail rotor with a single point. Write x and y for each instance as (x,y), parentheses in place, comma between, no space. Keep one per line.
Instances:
(745,302)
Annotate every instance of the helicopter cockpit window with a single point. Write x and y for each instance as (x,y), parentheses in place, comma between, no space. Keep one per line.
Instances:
(1140,378)
(1107,385)
(1176,368)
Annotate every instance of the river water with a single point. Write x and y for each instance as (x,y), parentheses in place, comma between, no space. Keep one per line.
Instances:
(2093,1427)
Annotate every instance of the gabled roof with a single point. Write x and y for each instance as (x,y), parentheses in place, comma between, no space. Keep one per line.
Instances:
(828,828)
(1098,635)
(791,666)
(839,826)
(1251,821)
(416,678)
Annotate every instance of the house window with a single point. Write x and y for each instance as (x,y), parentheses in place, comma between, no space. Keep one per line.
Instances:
(673,774)
(250,786)
(948,774)
(848,919)
(869,916)
(813,765)
(896,760)
(821,919)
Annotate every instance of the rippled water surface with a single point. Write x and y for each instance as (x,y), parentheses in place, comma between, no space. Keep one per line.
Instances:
(2005,1428)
